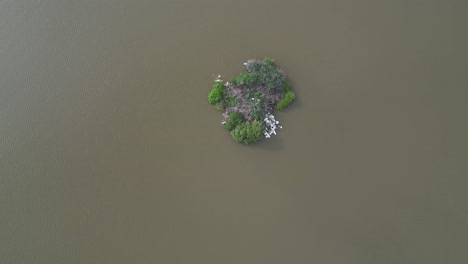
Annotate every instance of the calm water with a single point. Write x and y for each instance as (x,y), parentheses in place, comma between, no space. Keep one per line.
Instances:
(110,153)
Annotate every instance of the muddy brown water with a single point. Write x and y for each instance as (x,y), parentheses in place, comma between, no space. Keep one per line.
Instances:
(110,153)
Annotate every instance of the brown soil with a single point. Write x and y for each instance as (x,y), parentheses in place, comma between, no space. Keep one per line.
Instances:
(243,106)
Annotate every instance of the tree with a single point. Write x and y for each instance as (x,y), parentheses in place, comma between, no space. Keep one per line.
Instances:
(238,134)
(216,94)
(254,132)
(247,132)
(266,73)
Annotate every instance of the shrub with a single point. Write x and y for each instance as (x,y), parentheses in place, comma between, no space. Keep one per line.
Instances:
(288,97)
(216,94)
(238,133)
(247,132)
(254,132)
(234,120)
(274,80)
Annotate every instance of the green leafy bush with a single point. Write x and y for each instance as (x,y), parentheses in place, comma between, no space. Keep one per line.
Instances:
(267,74)
(238,134)
(234,120)
(274,81)
(216,94)
(218,85)
(288,97)
(247,132)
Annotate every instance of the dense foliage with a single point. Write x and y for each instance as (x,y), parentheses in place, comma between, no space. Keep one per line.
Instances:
(289,97)
(248,132)
(234,120)
(216,94)
(267,74)
(286,100)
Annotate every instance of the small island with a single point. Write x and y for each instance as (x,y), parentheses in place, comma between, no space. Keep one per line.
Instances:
(249,100)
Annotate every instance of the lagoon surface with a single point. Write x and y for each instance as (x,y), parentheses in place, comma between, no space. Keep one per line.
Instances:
(110,152)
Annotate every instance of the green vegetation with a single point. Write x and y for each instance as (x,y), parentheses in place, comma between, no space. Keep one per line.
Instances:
(217,94)
(249,100)
(234,120)
(257,104)
(246,79)
(289,97)
(267,74)
(247,132)
(286,100)
(231,100)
